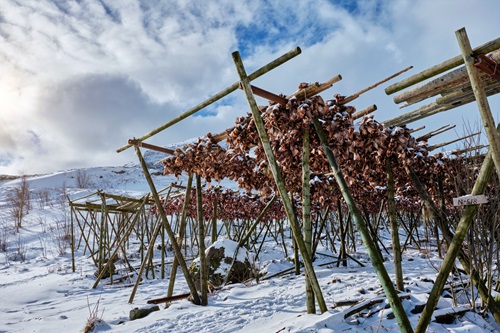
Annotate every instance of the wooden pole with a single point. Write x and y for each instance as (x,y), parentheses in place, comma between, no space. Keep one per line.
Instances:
(214,219)
(356,95)
(466,95)
(201,243)
(454,250)
(171,235)
(420,113)
(182,231)
(440,68)
(393,217)
(73,264)
(439,145)
(144,263)
(456,79)
(261,71)
(118,246)
(244,239)
(440,130)
(364,112)
(314,88)
(306,212)
(373,252)
(481,99)
(279,181)
(462,151)
(417,129)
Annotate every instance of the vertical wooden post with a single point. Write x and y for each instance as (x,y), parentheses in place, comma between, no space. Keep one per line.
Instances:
(201,243)
(214,220)
(393,217)
(144,263)
(296,257)
(264,138)
(73,264)
(371,248)
(182,231)
(102,234)
(171,235)
(343,235)
(480,95)
(306,213)
(163,251)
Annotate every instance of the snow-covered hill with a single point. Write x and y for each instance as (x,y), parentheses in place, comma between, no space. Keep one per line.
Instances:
(40,292)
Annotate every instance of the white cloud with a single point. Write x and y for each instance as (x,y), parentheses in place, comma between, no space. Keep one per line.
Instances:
(80,78)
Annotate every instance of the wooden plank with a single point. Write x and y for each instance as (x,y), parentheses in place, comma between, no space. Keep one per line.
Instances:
(168,299)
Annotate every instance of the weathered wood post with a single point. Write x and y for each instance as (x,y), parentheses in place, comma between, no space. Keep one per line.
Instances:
(371,248)
(393,218)
(201,243)
(214,218)
(73,264)
(264,138)
(306,213)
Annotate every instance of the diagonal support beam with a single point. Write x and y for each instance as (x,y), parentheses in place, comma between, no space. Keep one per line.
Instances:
(371,247)
(454,251)
(280,183)
(261,71)
(171,235)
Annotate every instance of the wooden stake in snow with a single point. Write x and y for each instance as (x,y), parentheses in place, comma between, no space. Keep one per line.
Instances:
(201,243)
(171,235)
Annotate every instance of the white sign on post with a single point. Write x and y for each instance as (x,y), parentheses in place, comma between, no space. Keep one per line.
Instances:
(470,200)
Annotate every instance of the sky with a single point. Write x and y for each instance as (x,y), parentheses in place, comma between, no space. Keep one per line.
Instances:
(80,78)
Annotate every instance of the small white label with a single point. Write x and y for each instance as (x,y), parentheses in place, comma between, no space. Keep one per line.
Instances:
(470,200)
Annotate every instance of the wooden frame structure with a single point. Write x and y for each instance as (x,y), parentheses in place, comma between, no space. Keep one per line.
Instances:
(453,95)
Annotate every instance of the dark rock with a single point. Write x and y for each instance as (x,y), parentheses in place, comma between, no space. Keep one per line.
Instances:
(141,313)
(220,260)
(418,308)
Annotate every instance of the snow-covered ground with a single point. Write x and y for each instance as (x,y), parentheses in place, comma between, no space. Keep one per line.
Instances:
(40,292)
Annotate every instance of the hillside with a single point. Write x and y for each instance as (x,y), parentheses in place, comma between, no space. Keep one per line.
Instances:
(41,293)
